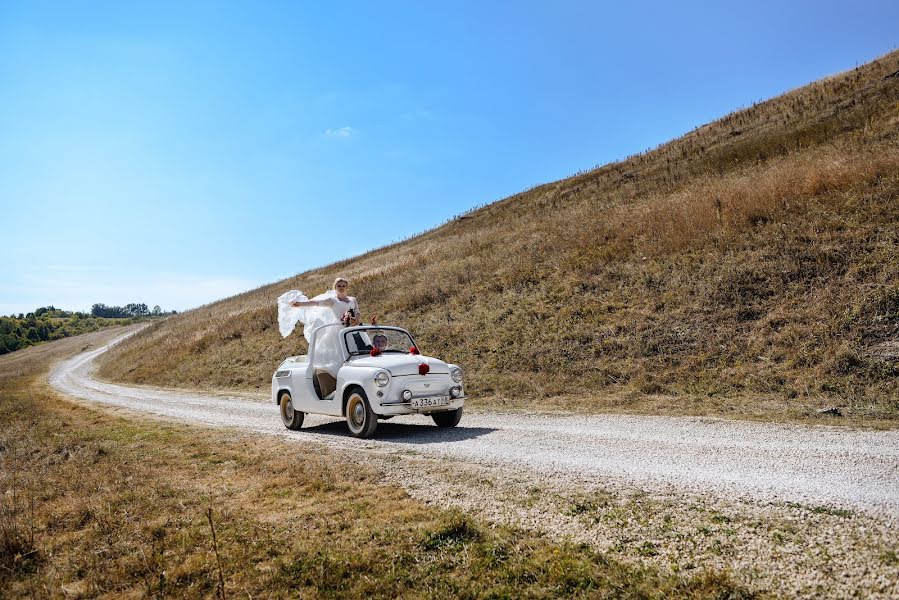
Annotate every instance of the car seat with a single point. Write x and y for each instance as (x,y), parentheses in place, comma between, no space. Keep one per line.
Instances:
(325,384)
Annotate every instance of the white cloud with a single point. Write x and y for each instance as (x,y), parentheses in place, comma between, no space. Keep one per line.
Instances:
(419,114)
(342,132)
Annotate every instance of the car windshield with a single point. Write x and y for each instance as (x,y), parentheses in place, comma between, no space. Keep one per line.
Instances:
(362,341)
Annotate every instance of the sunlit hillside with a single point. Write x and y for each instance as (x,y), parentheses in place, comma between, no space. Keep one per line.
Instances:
(748,268)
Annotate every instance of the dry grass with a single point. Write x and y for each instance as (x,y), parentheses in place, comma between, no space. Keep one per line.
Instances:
(673,222)
(95,505)
(748,268)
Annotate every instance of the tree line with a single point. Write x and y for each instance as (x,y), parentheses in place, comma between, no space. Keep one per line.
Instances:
(50,323)
(128,311)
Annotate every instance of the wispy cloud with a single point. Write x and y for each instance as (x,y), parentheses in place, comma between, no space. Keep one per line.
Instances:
(419,114)
(342,132)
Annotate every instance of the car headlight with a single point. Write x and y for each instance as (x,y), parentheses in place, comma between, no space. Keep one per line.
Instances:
(456,374)
(382,378)
(456,391)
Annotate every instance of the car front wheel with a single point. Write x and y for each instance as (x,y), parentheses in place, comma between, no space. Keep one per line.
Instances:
(360,418)
(448,418)
(292,419)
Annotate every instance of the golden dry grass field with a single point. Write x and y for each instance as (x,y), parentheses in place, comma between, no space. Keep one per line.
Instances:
(99,505)
(748,269)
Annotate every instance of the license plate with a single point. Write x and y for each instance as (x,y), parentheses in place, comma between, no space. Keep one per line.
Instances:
(430,402)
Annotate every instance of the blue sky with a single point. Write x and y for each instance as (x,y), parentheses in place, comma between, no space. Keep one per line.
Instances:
(176,153)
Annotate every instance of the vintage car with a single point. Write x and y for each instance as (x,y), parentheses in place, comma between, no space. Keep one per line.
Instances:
(382,375)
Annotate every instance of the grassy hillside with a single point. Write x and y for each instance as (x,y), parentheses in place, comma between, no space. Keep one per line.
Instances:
(748,268)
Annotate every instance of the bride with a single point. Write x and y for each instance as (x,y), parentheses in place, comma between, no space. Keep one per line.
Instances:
(334,306)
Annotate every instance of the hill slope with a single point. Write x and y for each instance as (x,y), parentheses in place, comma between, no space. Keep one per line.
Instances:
(750,267)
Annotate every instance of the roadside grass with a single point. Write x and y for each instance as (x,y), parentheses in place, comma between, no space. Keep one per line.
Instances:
(98,505)
(824,510)
(747,269)
(681,532)
(890,557)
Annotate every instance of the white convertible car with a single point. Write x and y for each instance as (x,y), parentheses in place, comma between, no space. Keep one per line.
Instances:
(382,375)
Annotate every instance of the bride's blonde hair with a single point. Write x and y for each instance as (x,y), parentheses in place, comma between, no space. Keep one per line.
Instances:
(338,280)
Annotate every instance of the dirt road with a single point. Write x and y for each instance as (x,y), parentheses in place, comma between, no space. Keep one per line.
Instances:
(829,466)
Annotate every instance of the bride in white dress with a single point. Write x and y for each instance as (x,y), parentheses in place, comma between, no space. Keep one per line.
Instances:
(331,307)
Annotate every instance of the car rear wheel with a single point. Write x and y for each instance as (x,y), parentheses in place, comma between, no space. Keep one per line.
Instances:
(447,418)
(360,418)
(292,419)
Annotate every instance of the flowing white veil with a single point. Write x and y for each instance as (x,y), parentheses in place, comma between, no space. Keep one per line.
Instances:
(327,350)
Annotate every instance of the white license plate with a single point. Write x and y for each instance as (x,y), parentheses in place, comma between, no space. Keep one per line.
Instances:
(430,402)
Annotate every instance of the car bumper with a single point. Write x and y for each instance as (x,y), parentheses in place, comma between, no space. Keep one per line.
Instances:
(389,409)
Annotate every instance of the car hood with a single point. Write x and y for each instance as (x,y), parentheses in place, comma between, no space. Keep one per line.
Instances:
(400,364)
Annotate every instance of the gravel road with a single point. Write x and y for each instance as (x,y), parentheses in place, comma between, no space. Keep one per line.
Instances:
(758,462)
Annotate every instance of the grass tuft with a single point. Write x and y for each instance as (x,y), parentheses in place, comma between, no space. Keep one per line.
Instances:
(456,530)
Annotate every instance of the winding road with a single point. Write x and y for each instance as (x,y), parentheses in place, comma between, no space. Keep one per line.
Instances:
(814,465)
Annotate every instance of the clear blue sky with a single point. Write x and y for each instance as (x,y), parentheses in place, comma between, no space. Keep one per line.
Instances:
(176,153)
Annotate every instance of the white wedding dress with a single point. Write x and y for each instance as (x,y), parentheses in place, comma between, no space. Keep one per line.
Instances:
(327,349)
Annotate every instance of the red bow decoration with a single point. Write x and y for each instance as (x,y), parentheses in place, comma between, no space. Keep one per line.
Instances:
(423,369)
(413,350)
(375,352)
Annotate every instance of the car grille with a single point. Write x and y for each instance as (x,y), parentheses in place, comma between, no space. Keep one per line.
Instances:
(422,386)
